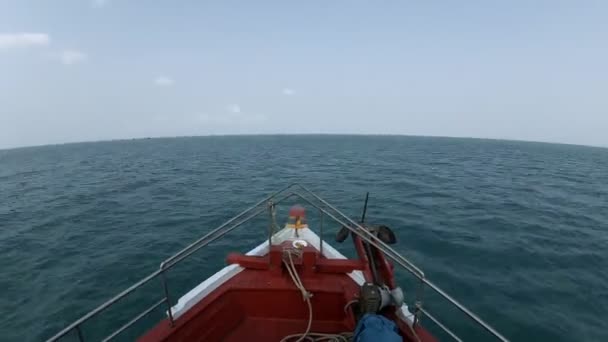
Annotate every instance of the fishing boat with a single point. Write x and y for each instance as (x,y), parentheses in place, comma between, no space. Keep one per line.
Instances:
(294,286)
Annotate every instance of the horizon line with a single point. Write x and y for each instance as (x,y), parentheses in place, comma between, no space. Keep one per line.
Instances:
(295,134)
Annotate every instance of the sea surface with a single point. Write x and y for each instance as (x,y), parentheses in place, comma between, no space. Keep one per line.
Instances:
(516,231)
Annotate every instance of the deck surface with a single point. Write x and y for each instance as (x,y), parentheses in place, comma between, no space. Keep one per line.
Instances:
(261,303)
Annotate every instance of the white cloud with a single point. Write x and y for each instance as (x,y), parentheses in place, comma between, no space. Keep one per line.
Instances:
(99,3)
(69,57)
(234,108)
(231,119)
(22,40)
(164,81)
(288,91)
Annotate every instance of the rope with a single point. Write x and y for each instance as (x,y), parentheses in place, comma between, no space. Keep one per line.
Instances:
(307,335)
(318,337)
(413,331)
(293,273)
(349,304)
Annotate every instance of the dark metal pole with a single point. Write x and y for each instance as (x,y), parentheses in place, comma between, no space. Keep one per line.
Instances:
(270,227)
(79,332)
(167,298)
(364,207)
(419,302)
(321,232)
(368,248)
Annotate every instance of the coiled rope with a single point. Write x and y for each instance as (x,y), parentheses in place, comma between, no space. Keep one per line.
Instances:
(307,335)
(293,273)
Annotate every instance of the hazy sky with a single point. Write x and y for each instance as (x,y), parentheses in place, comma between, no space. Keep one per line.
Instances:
(77,70)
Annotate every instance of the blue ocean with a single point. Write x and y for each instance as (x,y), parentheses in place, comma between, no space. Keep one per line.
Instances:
(516,231)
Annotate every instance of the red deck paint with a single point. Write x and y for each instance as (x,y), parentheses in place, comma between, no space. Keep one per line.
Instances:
(261,303)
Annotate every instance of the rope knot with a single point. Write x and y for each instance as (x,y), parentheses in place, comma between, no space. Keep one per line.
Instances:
(306,295)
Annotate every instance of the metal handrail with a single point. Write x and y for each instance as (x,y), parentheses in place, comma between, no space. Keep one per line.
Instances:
(287,192)
(134,320)
(439,324)
(396,257)
(167,264)
(193,245)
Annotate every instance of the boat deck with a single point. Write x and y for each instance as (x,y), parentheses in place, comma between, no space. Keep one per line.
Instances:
(264,305)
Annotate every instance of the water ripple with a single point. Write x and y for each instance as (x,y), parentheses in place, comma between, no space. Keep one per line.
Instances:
(517,231)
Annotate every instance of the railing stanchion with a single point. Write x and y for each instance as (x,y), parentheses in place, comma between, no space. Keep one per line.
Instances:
(417,308)
(270,226)
(320,231)
(166,289)
(79,332)
(419,301)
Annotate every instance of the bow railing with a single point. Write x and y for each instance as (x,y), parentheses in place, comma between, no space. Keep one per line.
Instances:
(264,206)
